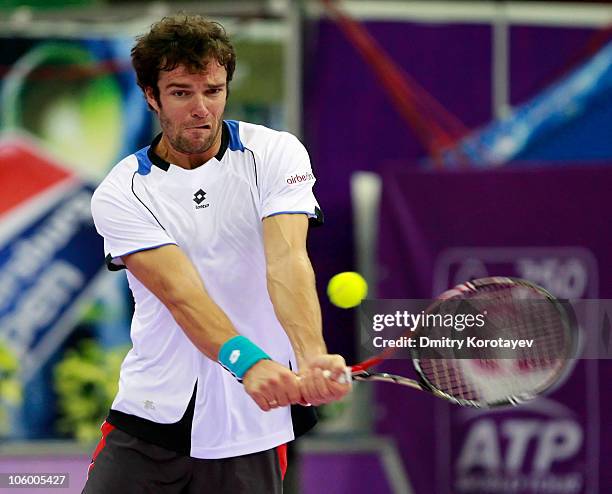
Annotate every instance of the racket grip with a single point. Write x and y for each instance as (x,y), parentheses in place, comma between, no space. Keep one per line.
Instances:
(342,379)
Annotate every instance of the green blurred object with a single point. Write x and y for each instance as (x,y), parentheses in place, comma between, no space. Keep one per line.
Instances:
(259,73)
(63,95)
(10,386)
(8,361)
(86,382)
(332,411)
(257,91)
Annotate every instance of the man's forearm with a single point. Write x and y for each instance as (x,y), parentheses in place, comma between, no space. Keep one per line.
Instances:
(182,291)
(204,323)
(291,285)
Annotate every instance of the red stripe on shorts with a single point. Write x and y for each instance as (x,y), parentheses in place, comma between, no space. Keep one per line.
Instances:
(281,451)
(106,428)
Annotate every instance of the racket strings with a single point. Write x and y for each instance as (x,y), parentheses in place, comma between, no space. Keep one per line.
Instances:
(512,312)
(522,313)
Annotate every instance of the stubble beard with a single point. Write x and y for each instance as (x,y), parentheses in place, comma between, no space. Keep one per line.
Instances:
(182,143)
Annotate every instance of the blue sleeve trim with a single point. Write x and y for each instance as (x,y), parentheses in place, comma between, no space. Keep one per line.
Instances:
(314,219)
(235,144)
(147,248)
(308,213)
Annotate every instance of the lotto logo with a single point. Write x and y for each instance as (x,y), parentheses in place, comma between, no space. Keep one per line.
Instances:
(299,178)
(199,196)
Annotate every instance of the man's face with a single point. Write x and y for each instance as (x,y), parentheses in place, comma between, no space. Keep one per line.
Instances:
(192,106)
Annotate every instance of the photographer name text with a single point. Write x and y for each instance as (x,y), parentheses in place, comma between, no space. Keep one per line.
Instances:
(469,342)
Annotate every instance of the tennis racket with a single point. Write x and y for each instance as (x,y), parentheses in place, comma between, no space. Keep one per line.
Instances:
(515,308)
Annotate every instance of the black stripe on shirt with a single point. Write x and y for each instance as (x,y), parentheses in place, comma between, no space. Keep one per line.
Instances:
(175,437)
(142,202)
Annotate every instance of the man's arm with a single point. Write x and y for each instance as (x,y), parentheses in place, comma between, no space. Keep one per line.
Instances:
(291,285)
(173,279)
(169,274)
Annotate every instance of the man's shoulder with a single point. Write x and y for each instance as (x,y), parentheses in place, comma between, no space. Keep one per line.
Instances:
(119,176)
(124,168)
(259,138)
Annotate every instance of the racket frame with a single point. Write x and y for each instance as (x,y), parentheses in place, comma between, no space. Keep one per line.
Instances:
(360,372)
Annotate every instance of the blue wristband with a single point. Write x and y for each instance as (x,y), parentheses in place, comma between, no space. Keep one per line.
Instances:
(239,354)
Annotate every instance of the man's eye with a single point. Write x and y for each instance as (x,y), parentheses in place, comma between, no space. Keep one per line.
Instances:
(179,93)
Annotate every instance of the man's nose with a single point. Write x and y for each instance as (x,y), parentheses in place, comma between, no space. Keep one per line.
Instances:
(199,108)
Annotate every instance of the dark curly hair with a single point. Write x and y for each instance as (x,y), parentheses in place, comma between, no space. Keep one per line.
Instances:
(181,39)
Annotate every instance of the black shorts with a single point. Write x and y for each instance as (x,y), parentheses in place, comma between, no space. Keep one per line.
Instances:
(125,464)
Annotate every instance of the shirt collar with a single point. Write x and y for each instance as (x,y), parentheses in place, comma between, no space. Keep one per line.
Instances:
(164,165)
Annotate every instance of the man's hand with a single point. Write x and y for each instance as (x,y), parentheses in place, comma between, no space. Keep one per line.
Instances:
(272,385)
(321,379)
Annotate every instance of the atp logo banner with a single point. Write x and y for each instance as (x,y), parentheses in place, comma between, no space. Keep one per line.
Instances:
(49,252)
(535,449)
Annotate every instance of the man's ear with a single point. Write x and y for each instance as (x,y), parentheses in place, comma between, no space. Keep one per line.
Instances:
(151,100)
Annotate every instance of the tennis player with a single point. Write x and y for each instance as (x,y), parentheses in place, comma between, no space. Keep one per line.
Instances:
(210,221)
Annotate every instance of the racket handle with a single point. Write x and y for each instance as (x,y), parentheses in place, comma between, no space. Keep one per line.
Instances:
(343,379)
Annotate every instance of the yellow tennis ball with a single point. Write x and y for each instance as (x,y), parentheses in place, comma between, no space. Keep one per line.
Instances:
(347,289)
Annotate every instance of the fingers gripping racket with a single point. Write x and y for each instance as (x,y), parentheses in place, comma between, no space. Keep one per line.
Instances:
(516,309)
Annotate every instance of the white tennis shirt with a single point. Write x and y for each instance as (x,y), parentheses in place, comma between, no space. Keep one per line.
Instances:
(214,214)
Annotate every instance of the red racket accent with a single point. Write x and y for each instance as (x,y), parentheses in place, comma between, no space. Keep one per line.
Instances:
(366,364)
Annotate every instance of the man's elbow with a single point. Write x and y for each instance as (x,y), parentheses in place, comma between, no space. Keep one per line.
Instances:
(180,296)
